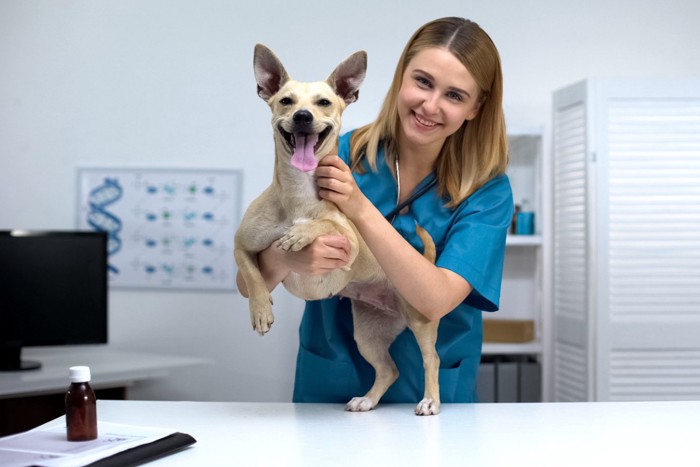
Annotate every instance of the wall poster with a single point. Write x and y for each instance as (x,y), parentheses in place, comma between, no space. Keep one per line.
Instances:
(168,228)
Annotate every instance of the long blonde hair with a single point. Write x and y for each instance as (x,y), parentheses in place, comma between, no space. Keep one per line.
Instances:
(478,150)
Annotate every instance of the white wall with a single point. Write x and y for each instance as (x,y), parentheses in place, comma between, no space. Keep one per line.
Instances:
(169,83)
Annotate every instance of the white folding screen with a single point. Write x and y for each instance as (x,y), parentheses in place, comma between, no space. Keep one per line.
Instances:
(627,279)
(570,252)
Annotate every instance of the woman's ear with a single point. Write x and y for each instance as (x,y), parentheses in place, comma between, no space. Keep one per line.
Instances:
(474,112)
(477,106)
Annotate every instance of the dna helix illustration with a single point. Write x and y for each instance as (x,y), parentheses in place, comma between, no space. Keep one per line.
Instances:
(100,219)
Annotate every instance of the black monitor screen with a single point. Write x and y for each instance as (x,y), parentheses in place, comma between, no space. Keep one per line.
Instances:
(53,291)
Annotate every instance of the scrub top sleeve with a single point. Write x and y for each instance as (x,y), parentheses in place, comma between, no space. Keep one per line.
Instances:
(475,243)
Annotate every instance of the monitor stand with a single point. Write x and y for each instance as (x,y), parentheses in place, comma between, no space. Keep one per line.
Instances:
(11,360)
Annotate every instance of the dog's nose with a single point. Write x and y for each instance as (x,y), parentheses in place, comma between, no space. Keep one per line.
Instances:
(303,117)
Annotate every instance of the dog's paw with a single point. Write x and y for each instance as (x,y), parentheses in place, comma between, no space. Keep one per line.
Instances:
(261,318)
(360,404)
(295,240)
(428,407)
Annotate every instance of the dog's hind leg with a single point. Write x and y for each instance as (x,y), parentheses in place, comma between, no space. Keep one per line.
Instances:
(375,330)
(426,335)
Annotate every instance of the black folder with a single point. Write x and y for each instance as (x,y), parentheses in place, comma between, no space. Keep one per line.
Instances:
(147,452)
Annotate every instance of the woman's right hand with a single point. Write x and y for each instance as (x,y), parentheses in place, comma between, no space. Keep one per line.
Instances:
(325,254)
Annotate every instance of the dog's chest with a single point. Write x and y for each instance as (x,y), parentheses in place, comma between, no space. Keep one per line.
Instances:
(306,187)
(300,198)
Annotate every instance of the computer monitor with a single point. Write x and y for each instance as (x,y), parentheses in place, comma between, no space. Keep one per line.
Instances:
(53,291)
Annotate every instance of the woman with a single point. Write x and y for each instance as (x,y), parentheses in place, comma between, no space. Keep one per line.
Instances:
(442,120)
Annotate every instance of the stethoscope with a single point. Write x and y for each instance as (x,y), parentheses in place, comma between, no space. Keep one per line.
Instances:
(407,202)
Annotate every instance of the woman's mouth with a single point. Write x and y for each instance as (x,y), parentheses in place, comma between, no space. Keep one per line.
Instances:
(424,121)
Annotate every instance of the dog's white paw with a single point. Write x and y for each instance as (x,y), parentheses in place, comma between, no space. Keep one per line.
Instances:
(360,404)
(428,407)
(261,317)
(295,240)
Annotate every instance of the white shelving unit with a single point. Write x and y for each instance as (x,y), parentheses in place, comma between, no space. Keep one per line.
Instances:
(525,287)
(526,348)
(523,240)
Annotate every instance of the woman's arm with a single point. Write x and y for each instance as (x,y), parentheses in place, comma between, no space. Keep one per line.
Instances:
(326,253)
(433,291)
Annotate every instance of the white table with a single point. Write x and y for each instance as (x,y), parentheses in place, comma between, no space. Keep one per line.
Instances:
(479,435)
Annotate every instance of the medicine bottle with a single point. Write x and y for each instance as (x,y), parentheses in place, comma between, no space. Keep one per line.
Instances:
(81,406)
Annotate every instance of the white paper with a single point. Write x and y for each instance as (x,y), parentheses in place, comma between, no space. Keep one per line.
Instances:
(47,445)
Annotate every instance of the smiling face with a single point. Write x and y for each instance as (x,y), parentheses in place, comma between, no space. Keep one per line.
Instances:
(437,95)
(306,116)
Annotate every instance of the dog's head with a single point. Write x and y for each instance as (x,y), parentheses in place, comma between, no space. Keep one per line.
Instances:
(306,116)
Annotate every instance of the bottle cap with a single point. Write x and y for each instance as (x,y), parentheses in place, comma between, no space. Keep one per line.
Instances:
(79,374)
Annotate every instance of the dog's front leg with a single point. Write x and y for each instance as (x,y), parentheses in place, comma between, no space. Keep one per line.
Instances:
(304,231)
(259,298)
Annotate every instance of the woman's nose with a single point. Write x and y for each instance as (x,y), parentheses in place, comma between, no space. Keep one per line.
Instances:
(431,104)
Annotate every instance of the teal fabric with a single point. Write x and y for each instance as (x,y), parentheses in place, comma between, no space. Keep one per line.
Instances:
(470,241)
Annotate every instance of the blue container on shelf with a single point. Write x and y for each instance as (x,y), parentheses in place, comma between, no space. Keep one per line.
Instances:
(525,223)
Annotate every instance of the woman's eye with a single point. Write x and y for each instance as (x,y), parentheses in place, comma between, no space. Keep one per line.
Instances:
(286,101)
(455,96)
(422,81)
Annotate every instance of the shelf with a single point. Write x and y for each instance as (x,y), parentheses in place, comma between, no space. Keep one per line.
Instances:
(524,240)
(530,131)
(497,348)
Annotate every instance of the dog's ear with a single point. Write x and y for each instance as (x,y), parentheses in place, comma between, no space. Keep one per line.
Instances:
(269,72)
(348,76)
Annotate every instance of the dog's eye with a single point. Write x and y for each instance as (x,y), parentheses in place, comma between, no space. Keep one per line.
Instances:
(324,102)
(286,101)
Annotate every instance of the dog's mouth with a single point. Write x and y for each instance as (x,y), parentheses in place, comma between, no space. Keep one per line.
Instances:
(303,147)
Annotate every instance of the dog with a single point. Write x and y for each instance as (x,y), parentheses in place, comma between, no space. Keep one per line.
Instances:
(306,119)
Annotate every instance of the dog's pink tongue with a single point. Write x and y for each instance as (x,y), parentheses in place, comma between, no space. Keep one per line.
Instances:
(303,157)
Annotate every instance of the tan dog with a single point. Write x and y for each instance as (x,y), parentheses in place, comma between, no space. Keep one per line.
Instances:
(306,124)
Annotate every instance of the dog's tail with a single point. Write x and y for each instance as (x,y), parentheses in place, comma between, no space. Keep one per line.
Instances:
(428,244)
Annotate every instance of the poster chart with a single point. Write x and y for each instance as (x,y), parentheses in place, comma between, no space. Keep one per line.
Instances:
(167,228)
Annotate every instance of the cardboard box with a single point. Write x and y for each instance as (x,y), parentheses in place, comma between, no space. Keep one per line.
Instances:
(509,330)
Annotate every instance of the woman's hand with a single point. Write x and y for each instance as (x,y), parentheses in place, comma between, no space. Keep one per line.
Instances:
(325,254)
(337,185)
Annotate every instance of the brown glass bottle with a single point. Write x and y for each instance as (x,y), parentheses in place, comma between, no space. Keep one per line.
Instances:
(81,406)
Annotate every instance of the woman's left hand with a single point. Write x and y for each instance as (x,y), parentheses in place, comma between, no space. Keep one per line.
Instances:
(337,185)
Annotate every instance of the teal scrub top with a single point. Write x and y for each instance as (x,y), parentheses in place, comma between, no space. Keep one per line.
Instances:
(470,241)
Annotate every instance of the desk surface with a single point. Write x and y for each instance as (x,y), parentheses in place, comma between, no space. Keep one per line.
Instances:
(483,435)
(109,367)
